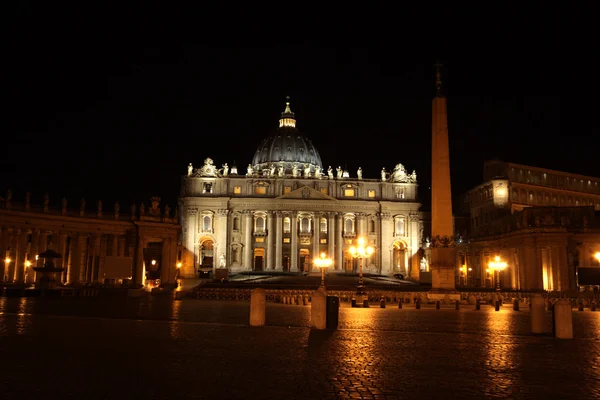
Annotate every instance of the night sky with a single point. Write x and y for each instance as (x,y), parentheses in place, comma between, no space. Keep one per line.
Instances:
(113,103)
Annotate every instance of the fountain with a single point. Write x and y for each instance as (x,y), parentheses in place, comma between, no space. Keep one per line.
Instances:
(48,270)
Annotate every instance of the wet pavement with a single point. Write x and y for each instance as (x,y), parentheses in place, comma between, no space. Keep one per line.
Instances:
(158,348)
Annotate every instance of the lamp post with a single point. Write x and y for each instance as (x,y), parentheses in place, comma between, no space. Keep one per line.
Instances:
(323,262)
(360,252)
(497,265)
(7,261)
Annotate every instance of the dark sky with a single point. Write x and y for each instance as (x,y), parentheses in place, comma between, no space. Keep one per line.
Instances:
(113,103)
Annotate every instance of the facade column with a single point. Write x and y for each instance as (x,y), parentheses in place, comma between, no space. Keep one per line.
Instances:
(222,239)
(84,252)
(3,246)
(278,240)
(248,239)
(270,240)
(316,244)
(190,254)
(294,252)
(173,259)
(20,260)
(387,230)
(414,246)
(339,242)
(331,238)
(165,262)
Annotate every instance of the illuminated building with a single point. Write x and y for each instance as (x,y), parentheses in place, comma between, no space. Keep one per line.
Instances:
(543,223)
(286,207)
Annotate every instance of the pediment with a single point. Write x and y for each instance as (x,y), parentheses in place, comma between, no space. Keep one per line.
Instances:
(305,193)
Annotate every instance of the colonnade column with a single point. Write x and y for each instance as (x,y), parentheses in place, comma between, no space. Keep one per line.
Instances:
(42,245)
(60,262)
(316,230)
(294,252)
(115,246)
(20,260)
(248,239)
(3,246)
(76,249)
(33,252)
(138,273)
(165,262)
(102,257)
(331,237)
(339,243)
(414,244)
(278,240)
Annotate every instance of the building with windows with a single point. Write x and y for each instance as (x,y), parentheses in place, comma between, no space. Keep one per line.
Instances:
(543,223)
(285,208)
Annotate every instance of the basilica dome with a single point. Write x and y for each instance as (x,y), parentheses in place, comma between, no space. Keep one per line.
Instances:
(286,147)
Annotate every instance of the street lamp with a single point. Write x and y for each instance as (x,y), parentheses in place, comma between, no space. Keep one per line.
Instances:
(323,262)
(497,265)
(360,252)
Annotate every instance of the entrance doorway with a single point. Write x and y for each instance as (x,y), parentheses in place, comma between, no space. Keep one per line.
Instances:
(286,263)
(399,258)
(259,259)
(305,261)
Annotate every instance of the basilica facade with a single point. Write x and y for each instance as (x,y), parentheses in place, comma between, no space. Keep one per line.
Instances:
(285,209)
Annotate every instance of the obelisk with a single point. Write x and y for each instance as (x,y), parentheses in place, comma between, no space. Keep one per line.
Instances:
(443,260)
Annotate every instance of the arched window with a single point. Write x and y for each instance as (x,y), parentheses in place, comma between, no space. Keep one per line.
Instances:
(236,224)
(260,224)
(349,225)
(305,226)
(323,225)
(399,226)
(371,226)
(286,225)
(206,223)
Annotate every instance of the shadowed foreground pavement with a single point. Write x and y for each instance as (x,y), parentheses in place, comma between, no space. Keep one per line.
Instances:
(157,348)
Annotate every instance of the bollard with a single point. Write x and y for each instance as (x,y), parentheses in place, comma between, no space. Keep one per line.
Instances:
(353,302)
(593,306)
(418,304)
(437,305)
(318,309)
(537,313)
(516,304)
(366,302)
(305,300)
(457,305)
(580,306)
(400,304)
(382,302)
(563,319)
(258,302)
(477,305)
(497,305)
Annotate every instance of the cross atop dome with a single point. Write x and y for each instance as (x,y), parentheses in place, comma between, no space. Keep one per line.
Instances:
(287,116)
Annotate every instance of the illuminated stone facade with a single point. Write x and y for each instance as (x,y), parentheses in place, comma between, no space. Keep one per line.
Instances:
(543,223)
(98,246)
(285,209)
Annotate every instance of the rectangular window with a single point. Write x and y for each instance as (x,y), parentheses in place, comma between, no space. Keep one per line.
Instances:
(287,189)
(260,190)
(324,190)
(237,190)
(260,240)
(286,240)
(323,241)
(371,193)
(349,192)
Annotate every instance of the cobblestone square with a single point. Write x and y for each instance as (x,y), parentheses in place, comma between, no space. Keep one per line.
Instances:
(158,348)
